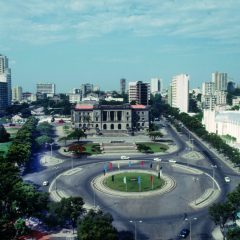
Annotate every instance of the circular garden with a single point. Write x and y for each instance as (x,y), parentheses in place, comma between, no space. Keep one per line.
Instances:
(134,182)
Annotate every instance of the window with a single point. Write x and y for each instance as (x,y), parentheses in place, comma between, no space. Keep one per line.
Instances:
(127,113)
(96,125)
(142,112)
(142,119)
(112,126)
(80,125)
(142,124)
(119,126)
(97,119)
(104,126)
(127,118)
(127,125)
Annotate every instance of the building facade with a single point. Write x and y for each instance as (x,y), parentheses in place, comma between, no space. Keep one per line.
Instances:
(220,80)
(180,92)
(122,85)
(86,87)
(5,76)
(117,118)
(48,88)
(208,88)
(139,92)
(17,93)
(170,94)
(3,95)
(156,85)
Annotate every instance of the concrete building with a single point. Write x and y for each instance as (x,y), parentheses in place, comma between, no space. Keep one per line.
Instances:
(33,97)
(156,85)
(86,88)
(48,88)
(5,76)
(221,97)
(96,88)
(180,92)
(208,88)
(3,95)
(111,119)
(75,97)
(139,92)
(170,94)
(220,80)
(122,85)
(236,101)
(110,98)
(209,101)
(17,93)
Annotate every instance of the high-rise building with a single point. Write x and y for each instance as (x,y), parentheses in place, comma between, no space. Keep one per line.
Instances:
(47,88)
(220,80)
(96,88)
(170,94)
(86,88)
(5,76)
(180,92)
(139,92)
(208,87)
(122,85)
(3,95)
(156,85)
(17,93)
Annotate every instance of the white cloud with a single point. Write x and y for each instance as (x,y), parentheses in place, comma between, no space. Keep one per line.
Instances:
(12,62)
(44,21)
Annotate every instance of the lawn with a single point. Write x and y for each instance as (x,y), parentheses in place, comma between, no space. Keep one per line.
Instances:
(155,147)
(92,148)
(4,148)
(133,186)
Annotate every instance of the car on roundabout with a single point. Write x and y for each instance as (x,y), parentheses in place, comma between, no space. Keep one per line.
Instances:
(227,179)
(157,159)
(172,161)
(125,158)
(184,233)
(45,183)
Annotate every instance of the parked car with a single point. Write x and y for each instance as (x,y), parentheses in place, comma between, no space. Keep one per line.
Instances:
(45,183)
(60,121)
(125,158)
(227,179)
(172,161)
(184,233)
(12,124)
(157,159)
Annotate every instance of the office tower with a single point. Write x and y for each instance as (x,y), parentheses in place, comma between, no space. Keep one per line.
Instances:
(180,92)
(86,88)
(156,85)
(208,87)
(17,93)
(122,85)
(3,95)
(220,80)
(139,92)
(96,88)
(170,94)
(47,88)
(5,76)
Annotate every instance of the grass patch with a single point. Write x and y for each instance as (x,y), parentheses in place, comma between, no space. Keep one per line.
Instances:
(155,147)
(12,129)
(230,137)
(66,127)
(133,186)
(4,148)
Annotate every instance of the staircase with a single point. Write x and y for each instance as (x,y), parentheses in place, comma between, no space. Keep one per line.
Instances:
(119,147)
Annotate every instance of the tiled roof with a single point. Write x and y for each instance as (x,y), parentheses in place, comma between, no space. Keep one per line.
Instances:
(84,107)
(138,106)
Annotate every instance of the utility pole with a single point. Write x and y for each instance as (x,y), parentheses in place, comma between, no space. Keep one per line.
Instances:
(135,223)
(214,167)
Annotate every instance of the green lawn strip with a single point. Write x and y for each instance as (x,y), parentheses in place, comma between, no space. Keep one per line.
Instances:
(12,129)
(66,127)
(89,149)
(133,186)
(155,147)
(229,137)
(4,148)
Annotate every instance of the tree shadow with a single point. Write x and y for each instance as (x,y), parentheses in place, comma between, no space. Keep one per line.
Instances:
(125,235)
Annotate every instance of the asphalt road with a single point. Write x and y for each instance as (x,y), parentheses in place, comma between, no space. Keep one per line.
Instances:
(162,217)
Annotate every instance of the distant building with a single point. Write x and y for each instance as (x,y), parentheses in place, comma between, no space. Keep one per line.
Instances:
(86,88)
(139,92)
(48,88)
(75,97)
(220,80)
(110,98)
(17,93)
(3,95)
(5,76)
(208,88)
(170,94)
(122,85)
(96,88)
(209,101)
(236,101)
(33,97)
(156,85)
(180,92)
(231,86)
(26,96)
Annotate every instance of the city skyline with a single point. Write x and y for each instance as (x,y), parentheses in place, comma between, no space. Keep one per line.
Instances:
(70,43)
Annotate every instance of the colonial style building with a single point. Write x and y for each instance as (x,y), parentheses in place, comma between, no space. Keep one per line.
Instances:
(109,119)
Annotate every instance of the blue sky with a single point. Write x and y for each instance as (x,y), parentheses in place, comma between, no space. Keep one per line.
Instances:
(72,42)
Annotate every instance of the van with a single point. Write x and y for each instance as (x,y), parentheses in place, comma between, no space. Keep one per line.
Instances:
(125,158)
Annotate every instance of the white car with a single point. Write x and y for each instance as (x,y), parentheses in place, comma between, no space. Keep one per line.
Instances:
(125,158)
(157,159)
(45,183)
(172,161)
(227,179)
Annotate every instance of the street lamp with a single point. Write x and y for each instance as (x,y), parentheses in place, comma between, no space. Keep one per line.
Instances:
(55,177)
(135,223)
(214,167)
(51,149)
(192,143)
(72,161)
(94,200)
(195,179)
(190,219)
(187,154)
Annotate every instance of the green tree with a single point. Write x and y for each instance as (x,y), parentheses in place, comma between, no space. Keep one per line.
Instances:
(155,135)
(4,136)
(77,134)
(220,213)
(21,228)
(44,139)
(133,102)
(45,128)
(64,139)
(234,197)
(143,147)
(97,226)
(233,234)
(25,113)
(68,209)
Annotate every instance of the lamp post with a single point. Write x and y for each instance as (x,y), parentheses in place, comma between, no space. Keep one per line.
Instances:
(190,219)
(192,143)
(214,167)
(195,179)
(187,154)
(51,149)
(135,223)
(94,199)
(72,161)
(55,177)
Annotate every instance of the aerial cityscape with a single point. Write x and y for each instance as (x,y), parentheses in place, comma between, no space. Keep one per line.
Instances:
(119,120)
